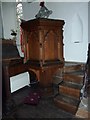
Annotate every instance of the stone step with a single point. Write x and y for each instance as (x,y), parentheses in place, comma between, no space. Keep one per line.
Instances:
(70,89)
(67,103)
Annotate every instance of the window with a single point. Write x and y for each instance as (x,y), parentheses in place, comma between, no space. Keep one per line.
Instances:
(19,16)
(19,12)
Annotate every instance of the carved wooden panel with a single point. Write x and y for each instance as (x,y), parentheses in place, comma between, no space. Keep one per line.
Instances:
(33,42)
(43,40)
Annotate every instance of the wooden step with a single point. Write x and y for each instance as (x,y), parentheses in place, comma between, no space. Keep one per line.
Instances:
(73,66)
(76,77)
(69,81)
(70,89)
(69,69)
(58,72)
(57,80)
(72,77)
(66,103)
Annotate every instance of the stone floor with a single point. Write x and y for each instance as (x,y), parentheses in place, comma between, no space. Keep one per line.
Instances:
(45,108)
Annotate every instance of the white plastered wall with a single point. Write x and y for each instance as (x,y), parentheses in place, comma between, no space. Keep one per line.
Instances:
(75,47)
(89,22)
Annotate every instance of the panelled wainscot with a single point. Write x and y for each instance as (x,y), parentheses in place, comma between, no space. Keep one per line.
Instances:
(43,47)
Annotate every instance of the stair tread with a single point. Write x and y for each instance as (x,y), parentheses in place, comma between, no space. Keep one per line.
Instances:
(73,67)
(71,85)
(71,73)
(72,64)
(78,73)
(67,99)
(57,80)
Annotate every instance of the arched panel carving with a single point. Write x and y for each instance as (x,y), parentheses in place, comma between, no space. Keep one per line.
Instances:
(51,45)
(33,42)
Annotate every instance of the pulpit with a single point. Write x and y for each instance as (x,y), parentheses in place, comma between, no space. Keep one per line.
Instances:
(42,43)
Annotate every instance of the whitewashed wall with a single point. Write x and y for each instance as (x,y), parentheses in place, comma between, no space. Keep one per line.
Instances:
(73,50)
(0,65)
(89,22)
(1,25)
(9,18)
